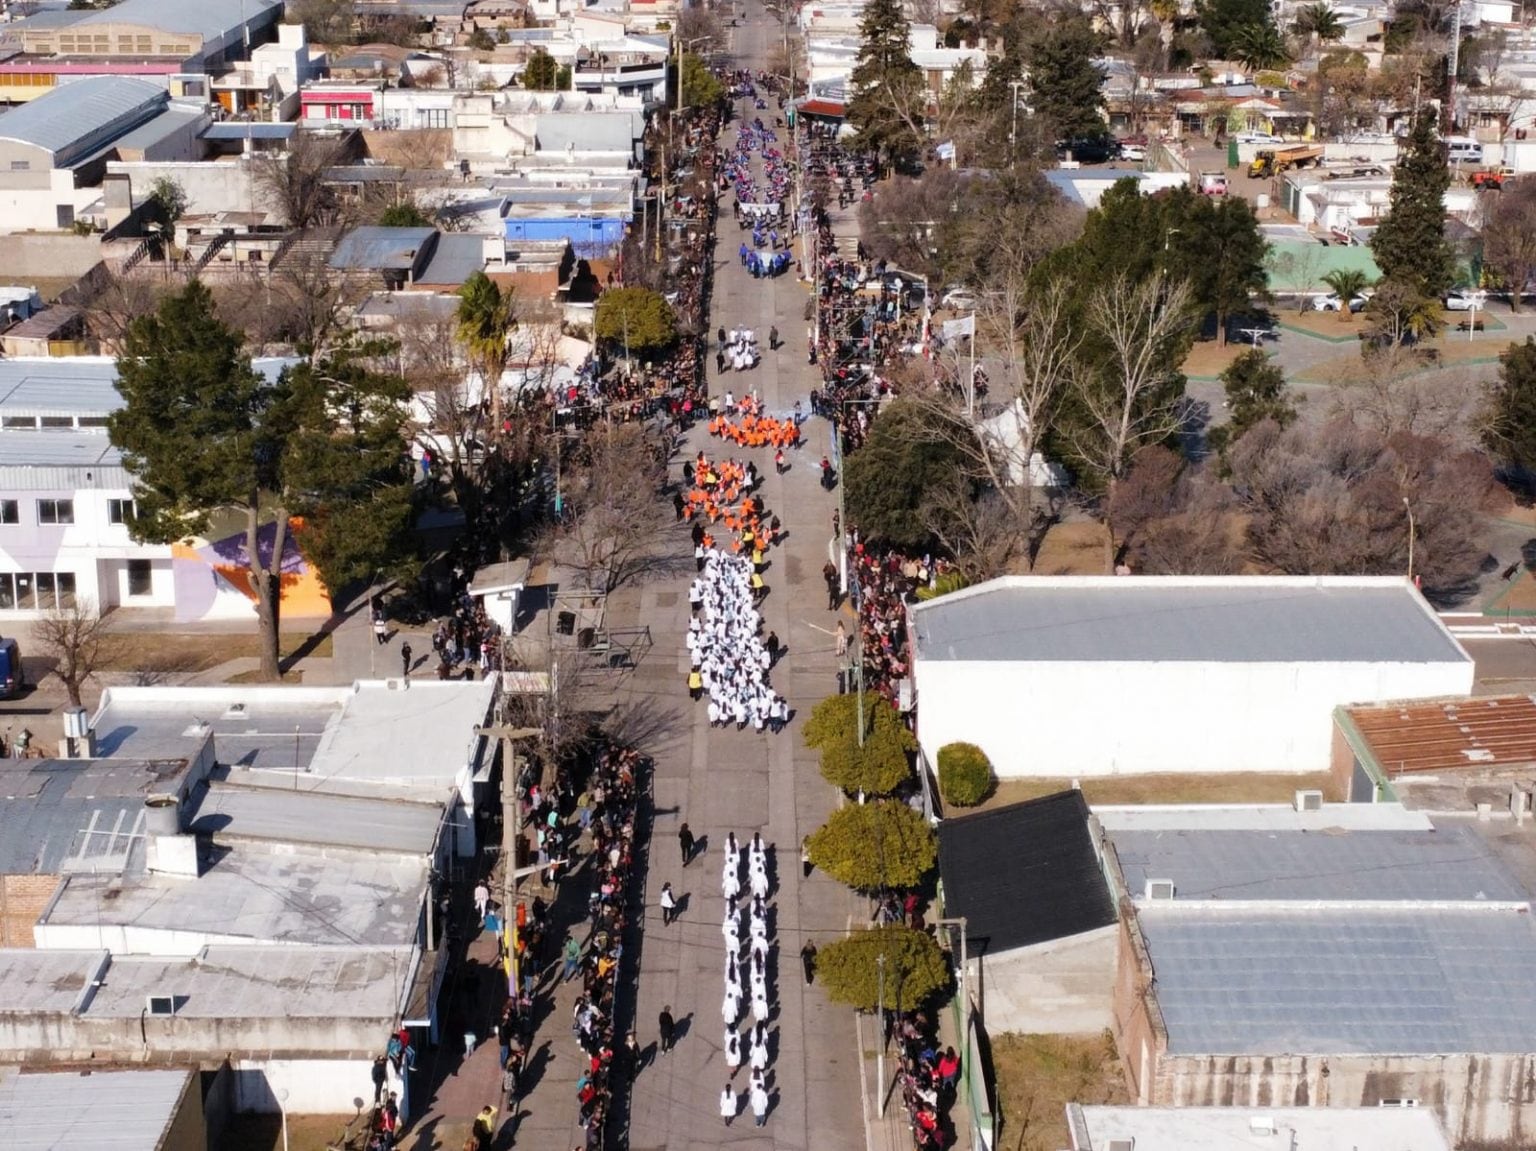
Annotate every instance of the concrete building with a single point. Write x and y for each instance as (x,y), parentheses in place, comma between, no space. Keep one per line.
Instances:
(102,1110)
(66,499)
(174,44)
(1041,929)
(1093,1128)
(54,150)
(1205,674)
(1346,956)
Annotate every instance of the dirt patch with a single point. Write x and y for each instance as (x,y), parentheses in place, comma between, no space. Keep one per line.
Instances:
(305,1133)
(1038,1075)
(1175,788)
(166,653)
(1328,325)
(1207,361)
(1075,548)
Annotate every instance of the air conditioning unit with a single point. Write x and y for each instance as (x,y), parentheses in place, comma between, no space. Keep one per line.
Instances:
(1309,801)
(1261,1125)
(1159,889)
(163,1005)
(1120,1145)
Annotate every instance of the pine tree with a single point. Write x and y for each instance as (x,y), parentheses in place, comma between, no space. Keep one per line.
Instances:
(1065,85)
(1511,430)
(884,79)
(1222,251)
(1410,244)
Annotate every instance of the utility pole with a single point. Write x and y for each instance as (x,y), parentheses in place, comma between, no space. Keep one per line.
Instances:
(511,832)
(880,1051)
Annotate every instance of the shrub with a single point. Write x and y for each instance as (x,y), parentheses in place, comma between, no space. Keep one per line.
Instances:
(915,968)
(875,846)
(965,774)
(882,765)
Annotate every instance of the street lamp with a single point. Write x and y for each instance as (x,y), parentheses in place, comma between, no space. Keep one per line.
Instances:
(1013,133)
(880,1051)
(1408,507)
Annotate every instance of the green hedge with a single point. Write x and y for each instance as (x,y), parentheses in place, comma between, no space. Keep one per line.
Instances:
(965,774)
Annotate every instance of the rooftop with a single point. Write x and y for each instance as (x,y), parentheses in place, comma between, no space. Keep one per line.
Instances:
(1216,619)
(1243,1128)
(226,811)
(209,19)
(72,112)
(372,247)
(1024,874)
(586,131)
(1334,980)
(1453,735)
(455,258)
(57,449)
(222,981)
(75,385)
(1453,864)
(231,130)
(344,740)
(101,1110)
(60,815)
(258,894)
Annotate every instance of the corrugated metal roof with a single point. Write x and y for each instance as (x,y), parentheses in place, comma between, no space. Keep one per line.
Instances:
(57,449)
(456,259)
(1452,864)
(235,131)
(72,112)
(312,818)
(58,816)
(375,247)
(77,385)
(1423,980)
(1481,734)
(151,132)
(210,19)
(1215,619)
(100,1110)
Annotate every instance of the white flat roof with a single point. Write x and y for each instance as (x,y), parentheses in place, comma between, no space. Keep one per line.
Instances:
(260,894)
(99,1110)
(1245,1128)
(1263,817)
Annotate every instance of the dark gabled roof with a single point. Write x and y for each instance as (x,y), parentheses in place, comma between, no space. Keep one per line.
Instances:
(1024,874)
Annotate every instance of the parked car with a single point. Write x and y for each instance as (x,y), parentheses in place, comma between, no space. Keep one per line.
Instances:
(1133,152)
(1332,303)
(1086,150)
(1465,300)
(961,299)
(1258,138)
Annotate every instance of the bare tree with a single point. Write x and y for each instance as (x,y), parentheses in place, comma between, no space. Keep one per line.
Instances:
(75,637)
(1336,500)
(1388,392)
(294,181)
(1176,519)
(120,301)
(1130,403)
(616,519)
(1034,349)
(1509,237)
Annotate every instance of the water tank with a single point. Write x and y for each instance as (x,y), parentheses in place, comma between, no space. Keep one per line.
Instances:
(76,723)
(1261,201)
(162,815)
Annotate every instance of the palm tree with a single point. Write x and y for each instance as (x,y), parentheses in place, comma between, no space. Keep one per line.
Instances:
(1318,21)
(1347,283)
(1260,46)
(486,318)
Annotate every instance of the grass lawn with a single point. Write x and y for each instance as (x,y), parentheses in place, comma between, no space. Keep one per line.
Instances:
(1073,548)
(1038,1075)
(170,652)
(1241,787)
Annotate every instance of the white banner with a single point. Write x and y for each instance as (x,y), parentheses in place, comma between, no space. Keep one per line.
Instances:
(954,329)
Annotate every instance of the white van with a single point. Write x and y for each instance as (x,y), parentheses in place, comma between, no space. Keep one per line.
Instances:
(1463,150)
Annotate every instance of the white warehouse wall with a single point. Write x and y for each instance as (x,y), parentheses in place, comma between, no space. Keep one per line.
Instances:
(1097,719)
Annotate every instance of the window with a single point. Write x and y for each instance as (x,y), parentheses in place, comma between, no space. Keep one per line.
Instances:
(7,591)
(66,583)
(140,581)
(9,513)
(21,165)
(55,511)
(119,511)
(92,421)
(434,118)
(18,421)
(26,598)
(66,215)
(59,422)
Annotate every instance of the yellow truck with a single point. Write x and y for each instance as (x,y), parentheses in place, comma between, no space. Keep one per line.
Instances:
(1273,161)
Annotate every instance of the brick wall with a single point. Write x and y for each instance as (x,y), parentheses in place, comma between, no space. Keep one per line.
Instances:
(22,900)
